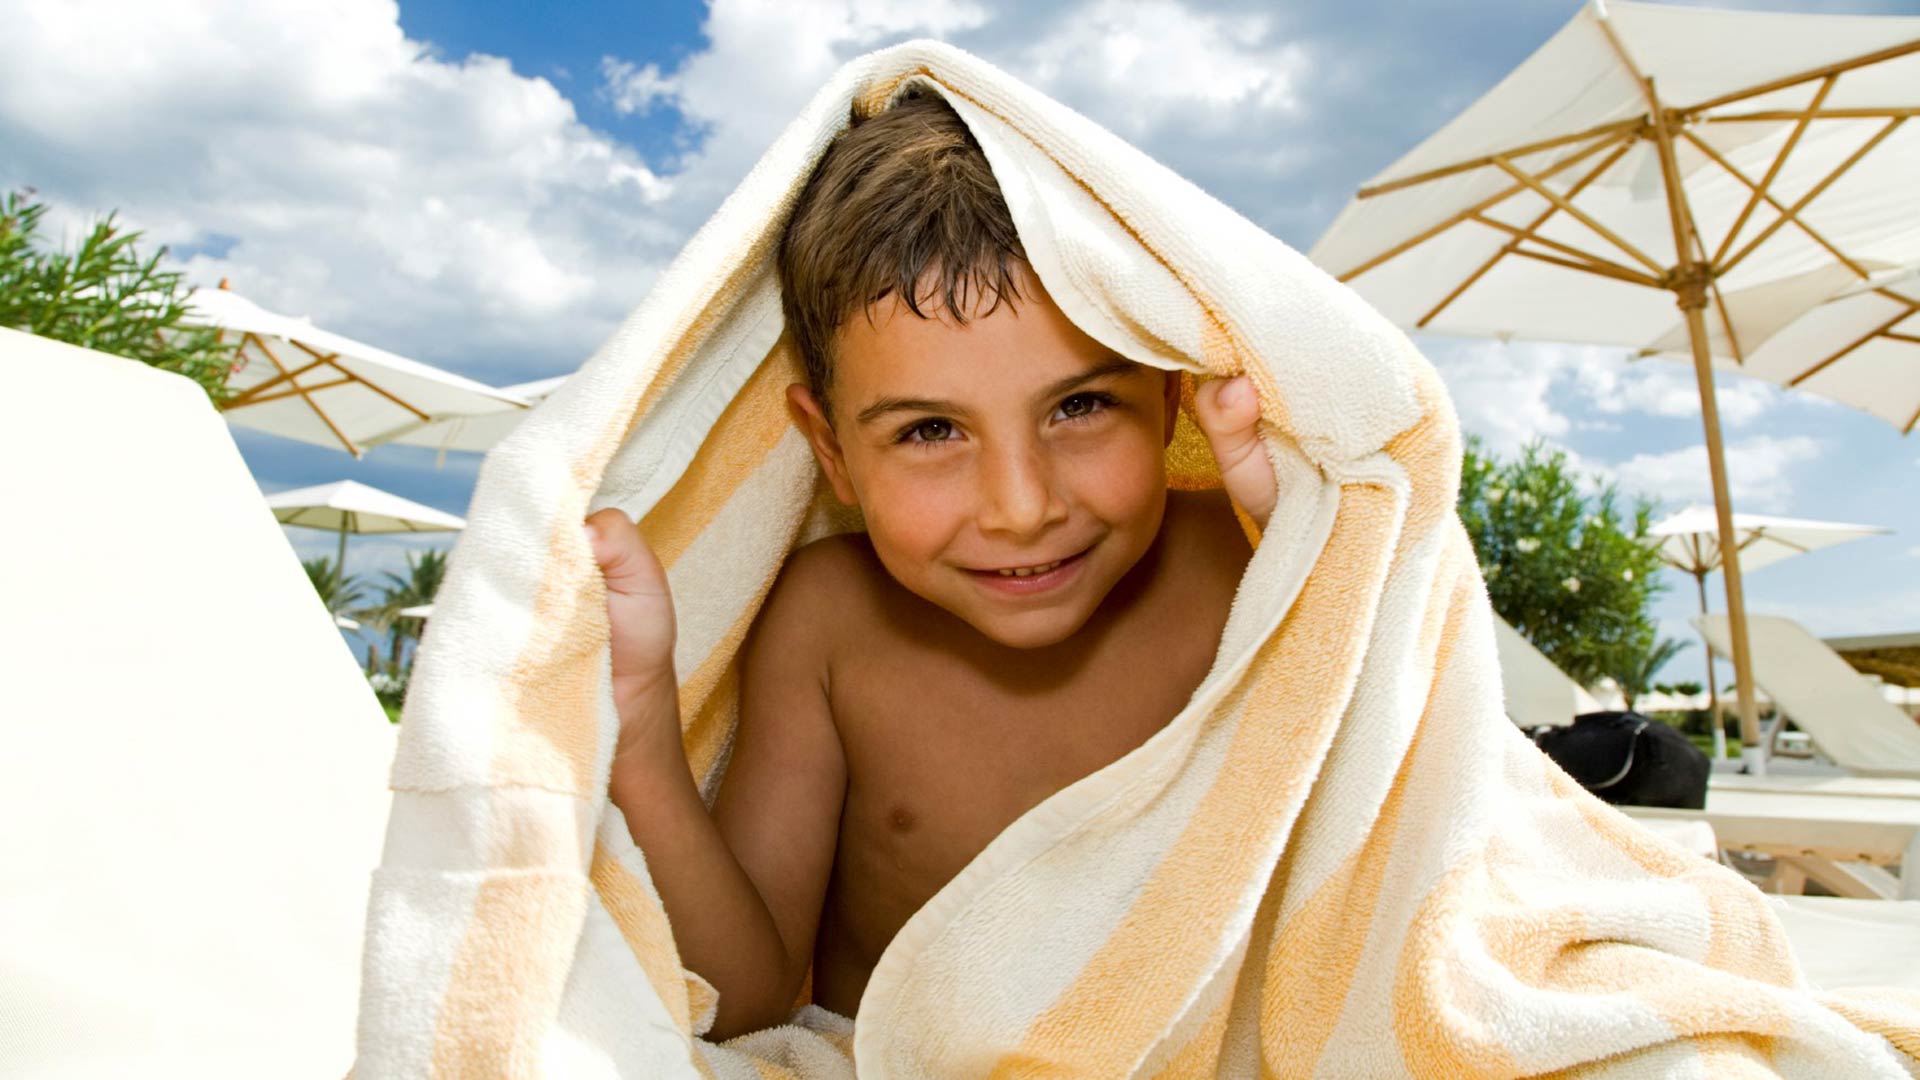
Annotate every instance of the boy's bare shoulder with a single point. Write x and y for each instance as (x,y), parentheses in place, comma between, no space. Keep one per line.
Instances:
(823,587)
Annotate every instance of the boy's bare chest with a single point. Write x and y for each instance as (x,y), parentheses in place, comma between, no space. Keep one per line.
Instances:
(942,757)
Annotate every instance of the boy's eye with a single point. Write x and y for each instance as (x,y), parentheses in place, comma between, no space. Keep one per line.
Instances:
(932,430)
(1080,406)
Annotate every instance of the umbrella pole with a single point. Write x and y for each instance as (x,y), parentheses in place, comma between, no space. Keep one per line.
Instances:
(1719,723)
(340,556)
(1693,301)
(1689,281)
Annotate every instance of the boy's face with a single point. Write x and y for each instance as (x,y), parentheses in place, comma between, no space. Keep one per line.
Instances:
(1009,470)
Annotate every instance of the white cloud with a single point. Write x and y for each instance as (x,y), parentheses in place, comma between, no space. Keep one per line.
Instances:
(1153,63)
(1666,388)
(1759,472)
(1503,392)
(633,89)
(451,210)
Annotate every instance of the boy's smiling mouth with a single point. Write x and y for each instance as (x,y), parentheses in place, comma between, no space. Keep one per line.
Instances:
(1032,578)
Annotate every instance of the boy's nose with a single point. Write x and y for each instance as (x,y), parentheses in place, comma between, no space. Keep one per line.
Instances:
(1018,497)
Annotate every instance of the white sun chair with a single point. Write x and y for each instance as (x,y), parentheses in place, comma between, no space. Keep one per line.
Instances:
(1844,943)
(192,769)
(1851,845)
(1839,941)
(1537,693)
(1825,697)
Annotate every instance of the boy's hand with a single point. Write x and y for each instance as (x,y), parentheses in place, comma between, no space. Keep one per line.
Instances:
(640,610)
(1227,411)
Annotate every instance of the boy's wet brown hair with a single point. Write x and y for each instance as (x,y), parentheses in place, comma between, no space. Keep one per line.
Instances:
(902,203)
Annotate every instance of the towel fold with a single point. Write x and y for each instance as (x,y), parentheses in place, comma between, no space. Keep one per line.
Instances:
(1340,858)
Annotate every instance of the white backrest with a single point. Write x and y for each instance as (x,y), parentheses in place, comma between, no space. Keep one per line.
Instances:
(1824,696)
(192,770)
(1537,693)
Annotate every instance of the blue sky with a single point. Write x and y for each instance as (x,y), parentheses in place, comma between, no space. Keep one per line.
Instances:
(490,186)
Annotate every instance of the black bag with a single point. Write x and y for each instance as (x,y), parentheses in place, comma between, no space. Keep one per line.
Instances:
(1629,760)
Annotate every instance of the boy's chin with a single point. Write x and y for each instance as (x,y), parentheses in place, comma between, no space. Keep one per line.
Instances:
(1029,630)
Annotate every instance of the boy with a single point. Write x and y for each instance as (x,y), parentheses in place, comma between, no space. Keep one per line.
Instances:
(1027,605)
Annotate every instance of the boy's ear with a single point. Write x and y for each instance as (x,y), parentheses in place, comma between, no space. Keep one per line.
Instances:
(1174,381)
(812,421)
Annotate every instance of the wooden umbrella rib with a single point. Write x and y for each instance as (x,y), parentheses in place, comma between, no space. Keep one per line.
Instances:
(1599,264)
(1911,421)
(1456,218)
(1467,283)
(1911,339)
(1629,276)
(249,396)
(311,404)
(1726,320)
(1814,192)
(312,388)
(1773,170)
(1578,214)
(1862,340)
(383,392)
(1607,133)
(1838,67)
(1812,234)
(1887,112)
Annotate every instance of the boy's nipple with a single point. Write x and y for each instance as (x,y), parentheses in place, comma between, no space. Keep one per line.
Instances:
(901,819)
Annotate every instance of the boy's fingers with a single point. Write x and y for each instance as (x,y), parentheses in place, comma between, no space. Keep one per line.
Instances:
(624,558)
(1229,411)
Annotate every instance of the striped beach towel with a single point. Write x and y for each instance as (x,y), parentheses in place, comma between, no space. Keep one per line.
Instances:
(1339,859)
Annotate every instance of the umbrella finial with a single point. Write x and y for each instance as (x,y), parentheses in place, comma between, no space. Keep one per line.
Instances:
(225,284)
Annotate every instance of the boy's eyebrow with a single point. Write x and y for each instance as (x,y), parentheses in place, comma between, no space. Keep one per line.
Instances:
(898,404)
(1115,366)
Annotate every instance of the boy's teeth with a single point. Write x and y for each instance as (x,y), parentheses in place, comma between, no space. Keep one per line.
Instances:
(1029,571)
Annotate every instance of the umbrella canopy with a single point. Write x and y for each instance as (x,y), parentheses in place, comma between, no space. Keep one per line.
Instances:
(1862,348)
(478,433)
(1689,541)
(1541,212)
(298,381)
(346,507)
(1647,164)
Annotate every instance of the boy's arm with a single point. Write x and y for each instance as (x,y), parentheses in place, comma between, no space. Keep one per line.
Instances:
(724,929)
(779,806)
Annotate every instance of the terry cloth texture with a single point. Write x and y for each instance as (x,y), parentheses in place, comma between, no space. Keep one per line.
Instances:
(1339,859)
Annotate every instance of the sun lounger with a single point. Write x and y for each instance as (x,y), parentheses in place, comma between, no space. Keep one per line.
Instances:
(192,769)
(1839,941)
(1846,843)
(1842,942)
(1825,697)
(1537,693)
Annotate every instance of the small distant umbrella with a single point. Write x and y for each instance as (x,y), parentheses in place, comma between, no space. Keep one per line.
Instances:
(300,382)
(347,507)
(1689,541)
(417,611)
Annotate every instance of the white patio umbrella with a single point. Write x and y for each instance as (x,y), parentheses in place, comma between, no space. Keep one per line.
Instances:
(478,433)
(1645,165)
(300,382)
(1861,348)
(347,507)
(1689,541)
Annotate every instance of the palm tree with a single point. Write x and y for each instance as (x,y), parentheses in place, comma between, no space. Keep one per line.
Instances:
(416,587)
(338,593)
(1636,672)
